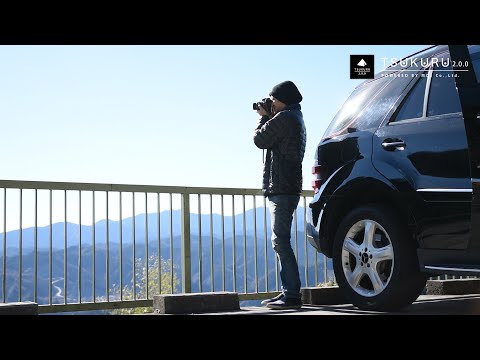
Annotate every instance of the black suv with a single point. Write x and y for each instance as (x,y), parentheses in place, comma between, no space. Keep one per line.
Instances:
(397,179)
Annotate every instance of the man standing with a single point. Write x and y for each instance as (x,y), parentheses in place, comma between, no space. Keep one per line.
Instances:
(282,132)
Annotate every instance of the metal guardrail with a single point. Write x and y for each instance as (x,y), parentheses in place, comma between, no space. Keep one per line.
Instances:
(87,260)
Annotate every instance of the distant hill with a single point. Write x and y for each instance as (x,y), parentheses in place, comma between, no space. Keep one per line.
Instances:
(58,291)
(43,233)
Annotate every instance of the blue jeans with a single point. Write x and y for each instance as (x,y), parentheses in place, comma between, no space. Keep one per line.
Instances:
(281,215)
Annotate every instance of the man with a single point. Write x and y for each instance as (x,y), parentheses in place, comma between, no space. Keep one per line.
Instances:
(284,136)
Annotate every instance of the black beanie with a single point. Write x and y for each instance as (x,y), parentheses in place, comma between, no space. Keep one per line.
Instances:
(287,93)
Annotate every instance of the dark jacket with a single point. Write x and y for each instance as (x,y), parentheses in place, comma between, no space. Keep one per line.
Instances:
(284,136)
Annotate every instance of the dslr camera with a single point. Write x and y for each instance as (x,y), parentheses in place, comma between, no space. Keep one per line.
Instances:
(266,104)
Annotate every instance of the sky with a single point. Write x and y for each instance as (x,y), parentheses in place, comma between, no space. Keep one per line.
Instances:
(160,115)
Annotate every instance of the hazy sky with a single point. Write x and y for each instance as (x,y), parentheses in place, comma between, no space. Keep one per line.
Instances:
(160,115)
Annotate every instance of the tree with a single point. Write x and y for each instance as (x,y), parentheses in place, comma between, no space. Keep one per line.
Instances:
(141,284)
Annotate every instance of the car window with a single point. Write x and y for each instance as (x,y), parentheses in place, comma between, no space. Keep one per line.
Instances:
(412,106)
(373,114)
(443,95)
(475,55)
(356,102)
(476,67)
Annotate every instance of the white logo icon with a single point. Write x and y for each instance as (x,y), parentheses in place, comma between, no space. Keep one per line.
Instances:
(362,63)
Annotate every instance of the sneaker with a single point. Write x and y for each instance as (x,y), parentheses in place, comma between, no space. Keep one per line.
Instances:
(285,303)
(268,301)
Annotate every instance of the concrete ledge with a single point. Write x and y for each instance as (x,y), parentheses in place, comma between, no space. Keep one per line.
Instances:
(19,308)
(195,303)
(453,287)
(328,295)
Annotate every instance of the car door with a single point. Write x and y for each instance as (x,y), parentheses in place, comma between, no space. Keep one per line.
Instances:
(466,65)
(422,149)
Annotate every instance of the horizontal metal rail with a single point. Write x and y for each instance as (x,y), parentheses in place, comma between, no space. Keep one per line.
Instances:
(153,250)
(128,304)
(14,184)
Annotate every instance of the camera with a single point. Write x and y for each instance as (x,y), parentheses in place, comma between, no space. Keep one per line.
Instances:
(266,104)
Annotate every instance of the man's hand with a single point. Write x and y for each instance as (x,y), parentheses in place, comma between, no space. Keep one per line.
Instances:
(261,111)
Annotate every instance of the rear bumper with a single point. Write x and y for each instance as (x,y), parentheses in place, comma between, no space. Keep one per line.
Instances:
(312,230)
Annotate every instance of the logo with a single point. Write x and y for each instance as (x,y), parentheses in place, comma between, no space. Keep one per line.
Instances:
(362,63)
(362,67)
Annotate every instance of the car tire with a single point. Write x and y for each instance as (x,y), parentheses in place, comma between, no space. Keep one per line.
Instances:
(379,271)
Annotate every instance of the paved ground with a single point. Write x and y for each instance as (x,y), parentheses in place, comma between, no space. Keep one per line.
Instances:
(425,305)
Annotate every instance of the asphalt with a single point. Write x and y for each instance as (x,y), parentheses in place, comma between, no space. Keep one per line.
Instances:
(425,305)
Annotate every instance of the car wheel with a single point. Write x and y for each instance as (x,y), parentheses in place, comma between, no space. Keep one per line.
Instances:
(375,260)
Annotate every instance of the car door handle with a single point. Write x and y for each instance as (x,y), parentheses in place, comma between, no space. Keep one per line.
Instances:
(391,145)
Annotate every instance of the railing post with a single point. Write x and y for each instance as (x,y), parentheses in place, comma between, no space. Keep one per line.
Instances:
(186,257)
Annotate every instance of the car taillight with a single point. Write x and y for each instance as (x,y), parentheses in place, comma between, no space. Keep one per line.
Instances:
(317,177)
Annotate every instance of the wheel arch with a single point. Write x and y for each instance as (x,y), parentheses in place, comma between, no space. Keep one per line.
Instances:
(361,192)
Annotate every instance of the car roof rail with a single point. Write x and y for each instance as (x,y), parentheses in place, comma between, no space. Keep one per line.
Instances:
(409,56)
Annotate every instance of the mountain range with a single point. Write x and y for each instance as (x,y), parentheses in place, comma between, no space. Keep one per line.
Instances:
(168,243)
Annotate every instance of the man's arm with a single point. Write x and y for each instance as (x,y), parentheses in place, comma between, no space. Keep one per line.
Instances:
(269,131)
